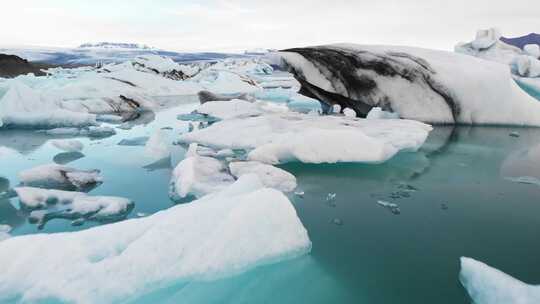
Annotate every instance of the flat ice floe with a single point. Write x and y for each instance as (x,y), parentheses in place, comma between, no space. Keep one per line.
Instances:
(487,285)
(415,83)
(77,206)
(239,228)
(279,137)
(60,177)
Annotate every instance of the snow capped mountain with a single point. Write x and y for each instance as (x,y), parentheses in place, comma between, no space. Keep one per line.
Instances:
(116,45)
(521,42)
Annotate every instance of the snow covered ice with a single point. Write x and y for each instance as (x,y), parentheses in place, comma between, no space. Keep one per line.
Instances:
(270,176)
(60,177)
(198,175)
(415,83)
(487,285)
(71,205)
(98,265)
(283,136)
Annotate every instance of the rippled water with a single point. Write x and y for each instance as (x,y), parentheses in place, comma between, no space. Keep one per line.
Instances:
(453,196)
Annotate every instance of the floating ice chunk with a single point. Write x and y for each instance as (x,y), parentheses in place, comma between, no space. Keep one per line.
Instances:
(486,38)
(270,176)
(487,285)
(113,263)
(532,50)
(72,205)
(60,177)
(4,232)
(136,141)
(529,180)
(330,197)
(67,157)
(96,132)
(349,112)
(378,113)
(235,108)
(394,208)
(157,147)
(68,145)
(528,66)
(197,176)
(282,137)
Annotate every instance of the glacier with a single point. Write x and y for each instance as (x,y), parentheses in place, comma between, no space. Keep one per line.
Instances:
(112,263)
(487,285)
(415,83)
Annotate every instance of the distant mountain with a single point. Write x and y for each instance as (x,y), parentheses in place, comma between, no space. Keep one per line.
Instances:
(12,66)
(520,42)
(116,45)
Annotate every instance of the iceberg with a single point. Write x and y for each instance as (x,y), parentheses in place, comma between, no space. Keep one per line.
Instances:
(415,83)
(532,50)
(157,147)
(280,137)
(235,230)
(270,176)
(196,176)
(487,285)
(528,66)
(60,177)
(94,132)
(76,206)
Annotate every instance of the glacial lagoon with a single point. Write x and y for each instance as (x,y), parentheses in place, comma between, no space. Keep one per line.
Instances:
(469,191)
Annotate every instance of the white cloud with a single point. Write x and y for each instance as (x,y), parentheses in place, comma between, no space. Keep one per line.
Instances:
(240,24)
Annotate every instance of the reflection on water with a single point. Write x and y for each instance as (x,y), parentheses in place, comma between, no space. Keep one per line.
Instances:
(452,195)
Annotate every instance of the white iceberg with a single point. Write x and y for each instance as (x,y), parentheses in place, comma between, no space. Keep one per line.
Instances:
(235,108)
(198,176)
(72,205)
(240,228)
(270,176)
(487,45)
(68,145)
(415,83)
(487,285)
(378,113)
(528,66)
(282,137)
(157,146)
(532,50)
(93,131)
(60,177)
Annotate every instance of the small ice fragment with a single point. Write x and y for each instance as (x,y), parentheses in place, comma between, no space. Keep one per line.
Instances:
(157,147)
(528,180)
(141,214)
(348,112)
(60,177)
(68,145)
(135,141)
(67,157)
(394,208)
(337,222)
(514,134)
(336,108)
(299,194)
(330,197)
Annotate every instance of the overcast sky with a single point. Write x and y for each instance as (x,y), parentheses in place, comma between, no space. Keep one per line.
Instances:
(228,25)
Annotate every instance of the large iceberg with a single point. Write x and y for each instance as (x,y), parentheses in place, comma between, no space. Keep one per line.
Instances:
(487,285)
(86,96)
(239,228)
(415,83)
(279,136)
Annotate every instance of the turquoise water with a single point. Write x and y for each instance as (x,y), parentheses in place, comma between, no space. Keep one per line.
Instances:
(453,196)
